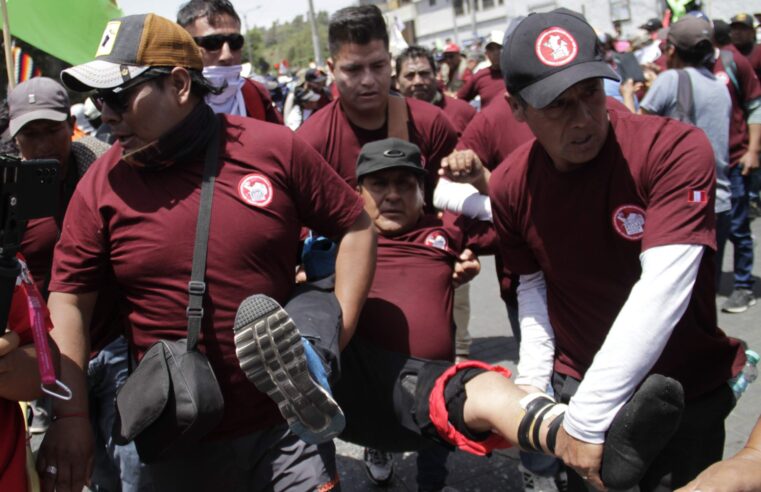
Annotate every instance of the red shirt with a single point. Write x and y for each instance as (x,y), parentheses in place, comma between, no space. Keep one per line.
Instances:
(755,60)
(459,113)
(586,228)
(751,89)
(339,142)
(141,224)
(12,448)
(259,103)
(400,316)
(487,83)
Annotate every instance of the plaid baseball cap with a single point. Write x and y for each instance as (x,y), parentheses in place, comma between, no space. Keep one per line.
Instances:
(387,154)
(549,52)
(130,46)
(39,98)
(689,31)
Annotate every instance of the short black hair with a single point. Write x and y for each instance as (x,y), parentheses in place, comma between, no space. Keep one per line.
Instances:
(358,25)
(721,32)
(700,55)
(411,52)
(212,9)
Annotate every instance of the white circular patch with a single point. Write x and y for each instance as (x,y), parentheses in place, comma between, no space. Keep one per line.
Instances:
(437,240)
(256,190)
(629,222)
(556,47)
(722,76)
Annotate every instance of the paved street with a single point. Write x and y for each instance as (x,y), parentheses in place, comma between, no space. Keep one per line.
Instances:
(494,343)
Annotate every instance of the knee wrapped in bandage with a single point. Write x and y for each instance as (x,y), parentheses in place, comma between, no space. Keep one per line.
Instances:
(446,403)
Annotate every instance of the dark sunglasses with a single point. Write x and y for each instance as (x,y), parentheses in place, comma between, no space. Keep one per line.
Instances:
(214,42)
(118,99)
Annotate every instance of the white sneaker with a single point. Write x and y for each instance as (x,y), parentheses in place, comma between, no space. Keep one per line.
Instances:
(379,466)
(537,483)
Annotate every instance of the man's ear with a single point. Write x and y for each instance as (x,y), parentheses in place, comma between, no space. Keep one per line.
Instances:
(330,63)
(180,82)
(519,112)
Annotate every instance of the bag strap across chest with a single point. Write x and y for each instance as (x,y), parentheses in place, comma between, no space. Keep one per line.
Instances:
(197,285)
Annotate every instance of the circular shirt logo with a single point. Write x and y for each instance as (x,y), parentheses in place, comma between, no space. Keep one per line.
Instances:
(629,222)
(255,190)
(437,240)
(555,47)
(722,76)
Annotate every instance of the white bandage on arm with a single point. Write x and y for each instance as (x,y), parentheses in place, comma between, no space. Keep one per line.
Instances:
(462,198)
(537,350)
(636,340)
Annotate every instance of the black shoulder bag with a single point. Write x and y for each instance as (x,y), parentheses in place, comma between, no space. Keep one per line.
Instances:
(172,399)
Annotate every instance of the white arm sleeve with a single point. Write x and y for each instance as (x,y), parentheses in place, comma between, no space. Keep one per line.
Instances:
(656,303)
(537,350)
(462,198)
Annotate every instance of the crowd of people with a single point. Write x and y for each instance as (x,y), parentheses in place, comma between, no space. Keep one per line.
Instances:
(317,256)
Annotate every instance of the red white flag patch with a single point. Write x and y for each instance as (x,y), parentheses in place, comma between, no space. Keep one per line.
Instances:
(697,196)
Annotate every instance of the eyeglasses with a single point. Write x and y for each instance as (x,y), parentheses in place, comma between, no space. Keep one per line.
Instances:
(214,42)
(118,98)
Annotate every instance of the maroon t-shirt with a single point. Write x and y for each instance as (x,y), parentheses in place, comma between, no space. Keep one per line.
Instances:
(258,102)
(339,142)
(487,83)
(141,224)
(494,133)
(751,89)
(399,315)
(459,113)
(586,228)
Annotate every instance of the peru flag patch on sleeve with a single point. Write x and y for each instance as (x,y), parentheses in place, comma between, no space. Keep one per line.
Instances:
(697,196)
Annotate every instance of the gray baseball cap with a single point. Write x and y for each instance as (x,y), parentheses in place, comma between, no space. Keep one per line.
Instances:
(39,98)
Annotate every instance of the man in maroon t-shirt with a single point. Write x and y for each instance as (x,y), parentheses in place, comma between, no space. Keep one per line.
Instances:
(487,82)
(399,389)
(744,38)
(132,221)
(215,27)
(365,111)
(416,78)
(613,239)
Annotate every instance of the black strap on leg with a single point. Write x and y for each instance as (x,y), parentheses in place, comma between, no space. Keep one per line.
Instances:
(539,405)
(552,433)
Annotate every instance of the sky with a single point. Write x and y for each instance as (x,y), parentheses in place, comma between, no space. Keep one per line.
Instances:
(258,12)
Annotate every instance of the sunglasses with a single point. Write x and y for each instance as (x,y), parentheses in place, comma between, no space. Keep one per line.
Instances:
(118,99)
(214,42)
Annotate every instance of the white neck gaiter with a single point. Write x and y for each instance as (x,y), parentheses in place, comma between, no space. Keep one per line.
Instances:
(230,101)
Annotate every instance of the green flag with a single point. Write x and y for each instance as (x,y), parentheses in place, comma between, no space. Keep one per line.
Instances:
(66,29)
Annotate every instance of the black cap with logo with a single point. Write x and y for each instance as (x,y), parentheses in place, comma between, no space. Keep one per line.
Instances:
(389,153)
(549,52)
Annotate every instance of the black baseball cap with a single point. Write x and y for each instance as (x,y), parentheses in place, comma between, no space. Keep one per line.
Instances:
(549,52)
(652,25)
(387,154)
(744,19)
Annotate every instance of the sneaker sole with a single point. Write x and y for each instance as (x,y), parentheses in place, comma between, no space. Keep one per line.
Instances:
(739,309)
(271,354)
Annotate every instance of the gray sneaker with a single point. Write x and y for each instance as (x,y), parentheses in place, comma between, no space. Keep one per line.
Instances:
(739,301)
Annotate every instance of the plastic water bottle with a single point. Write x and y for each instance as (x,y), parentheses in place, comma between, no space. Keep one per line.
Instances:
(749,374)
